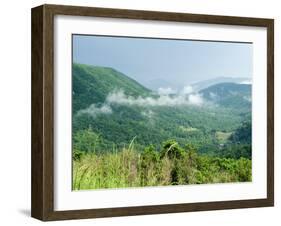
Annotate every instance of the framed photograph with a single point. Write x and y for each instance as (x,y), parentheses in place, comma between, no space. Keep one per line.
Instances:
(142,112)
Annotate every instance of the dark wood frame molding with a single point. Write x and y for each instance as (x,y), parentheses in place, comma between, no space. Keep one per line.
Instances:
(42,203)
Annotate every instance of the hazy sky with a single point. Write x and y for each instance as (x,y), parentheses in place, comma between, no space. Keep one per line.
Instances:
(177,61)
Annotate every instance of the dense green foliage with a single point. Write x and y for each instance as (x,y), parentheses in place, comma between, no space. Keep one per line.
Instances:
(197,125)
(243,135)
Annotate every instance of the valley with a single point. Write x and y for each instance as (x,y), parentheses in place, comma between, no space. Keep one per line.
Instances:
(118,109)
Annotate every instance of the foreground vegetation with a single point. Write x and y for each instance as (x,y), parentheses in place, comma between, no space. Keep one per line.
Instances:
(173,165)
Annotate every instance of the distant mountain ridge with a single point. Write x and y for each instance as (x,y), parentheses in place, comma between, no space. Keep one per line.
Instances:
(161,83)
(210,82)
(155,84)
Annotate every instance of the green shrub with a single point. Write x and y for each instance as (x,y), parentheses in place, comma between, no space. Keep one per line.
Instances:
(86,140)
(172,149)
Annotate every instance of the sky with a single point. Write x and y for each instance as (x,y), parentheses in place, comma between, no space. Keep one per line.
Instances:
(179,62)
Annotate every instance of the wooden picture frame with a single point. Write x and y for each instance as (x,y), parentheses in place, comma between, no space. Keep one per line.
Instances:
(42,203)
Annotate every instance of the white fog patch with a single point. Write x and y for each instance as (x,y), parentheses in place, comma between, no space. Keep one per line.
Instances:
(165,91)
(247,98)
(149,114)
(119,97)
(187,90)
(195,99)
(93,110)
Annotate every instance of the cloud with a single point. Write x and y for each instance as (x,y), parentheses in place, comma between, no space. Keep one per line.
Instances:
(195,99)
(149,114)
(165,91)
(246,82)
(93,110)
(187,90)
(119,97)
(247,98)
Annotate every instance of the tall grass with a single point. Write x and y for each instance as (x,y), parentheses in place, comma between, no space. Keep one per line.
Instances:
(130,168)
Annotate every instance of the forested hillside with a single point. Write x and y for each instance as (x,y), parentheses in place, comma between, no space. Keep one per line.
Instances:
(92,85)
(229,95)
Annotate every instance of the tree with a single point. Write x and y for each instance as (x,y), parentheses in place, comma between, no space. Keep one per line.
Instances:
(243,135)
(192,155)
(171,149)
(86,140)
